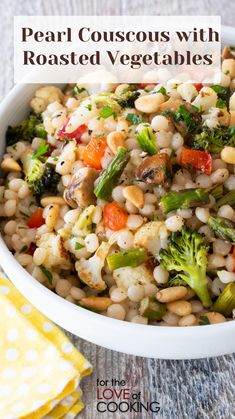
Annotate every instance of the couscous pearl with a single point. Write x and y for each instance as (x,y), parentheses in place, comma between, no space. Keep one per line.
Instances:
(217,286)
(230,183)
(117,295)
(203,181)
(132,209)
(116,311)
(136,293)
(131,313)
(63,287)
(39,256)
(177,141)
(219,176)
(215,261)
(150,198)
(229,263)
(222,247)
(226,211)
(196,306)
(171,318)
(132,143)
(71,216)
(150,290)
(226,277)
(202,214)
(134,221)
(23,191)
(174,223)
(147,210)
(218,164)
(185,213)
(160,274)
(10,207)
(10,227)
(139,319)
(125,239)
(77,293)
(117,194)
(159,122)
(24,259)
(91,242)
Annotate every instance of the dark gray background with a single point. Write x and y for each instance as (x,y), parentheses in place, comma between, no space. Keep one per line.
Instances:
(199,389)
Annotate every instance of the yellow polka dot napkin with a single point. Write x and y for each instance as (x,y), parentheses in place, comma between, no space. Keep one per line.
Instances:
(40,369)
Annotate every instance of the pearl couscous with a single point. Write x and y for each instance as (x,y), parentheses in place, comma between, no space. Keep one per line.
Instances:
(123,201)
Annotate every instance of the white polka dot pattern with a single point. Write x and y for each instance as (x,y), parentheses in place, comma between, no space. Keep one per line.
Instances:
(40,366)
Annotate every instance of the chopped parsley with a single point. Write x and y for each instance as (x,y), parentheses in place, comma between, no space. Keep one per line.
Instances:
(203,320)
(77,90)
(89,106)
(162,90)
(134,119)
(47,273)
(43,148)
(23,249)
(106,112)
(24,215)
(79,246)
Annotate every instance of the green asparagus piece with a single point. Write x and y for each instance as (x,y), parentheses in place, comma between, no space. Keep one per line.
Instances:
(152,309)
(224,228)
(228,199)
(217,192)
(146,139)
(133,257)
(186,198)
(225,303)
(110,177)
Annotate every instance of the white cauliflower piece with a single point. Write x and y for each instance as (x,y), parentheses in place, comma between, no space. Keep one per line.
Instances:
(127,276)
(56,255)
(152,236)
(45,95)
(89,270)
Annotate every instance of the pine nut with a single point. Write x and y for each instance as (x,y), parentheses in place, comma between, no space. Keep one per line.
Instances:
(168,295)
(215,317)
(180,307)
(228,155)
(121,88)
(149,103)
(189,320)
(115,140)
(10,165)
(135,195)
(96,303)
(52,216)
(50,200)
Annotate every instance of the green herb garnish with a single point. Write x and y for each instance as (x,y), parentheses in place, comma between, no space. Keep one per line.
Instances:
(43,148)
(47,273)
(203,320)
(134,119)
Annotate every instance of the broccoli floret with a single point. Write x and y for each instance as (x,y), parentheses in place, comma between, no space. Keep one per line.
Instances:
(26,130)
(127,98)
(214,140)
(186,254)
(41,177)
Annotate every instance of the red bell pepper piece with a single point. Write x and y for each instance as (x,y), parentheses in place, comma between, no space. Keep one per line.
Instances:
(77,133)
(199,160)
(31,249)
(198,86)
(36,219)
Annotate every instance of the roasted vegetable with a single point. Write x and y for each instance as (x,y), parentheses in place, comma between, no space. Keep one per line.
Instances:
(146,139)
(227,199)
(225,303)
(127,276)
(115,217)
(187,255)
(152,309)
(133,257)
(152,236)
(80,191)
(56,255)
(223,228)
(110,177)
(41,177)
(127,98)
(196,159)
(214,140)
(89,270)
(26,130)
(187,198)
(155,169)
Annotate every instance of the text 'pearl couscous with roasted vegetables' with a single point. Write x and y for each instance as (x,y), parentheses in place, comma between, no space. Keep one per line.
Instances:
(121,199)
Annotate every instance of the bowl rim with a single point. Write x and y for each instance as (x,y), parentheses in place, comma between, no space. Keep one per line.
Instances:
(17,274)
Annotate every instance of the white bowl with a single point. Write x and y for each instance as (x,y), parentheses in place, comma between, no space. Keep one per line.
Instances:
(148,341)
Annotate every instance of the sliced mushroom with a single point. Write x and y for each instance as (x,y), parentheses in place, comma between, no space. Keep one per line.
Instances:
(227,53)
(80,192)
(155,169)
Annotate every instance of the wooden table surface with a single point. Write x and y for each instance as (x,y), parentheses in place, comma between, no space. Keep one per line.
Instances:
(197,389)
